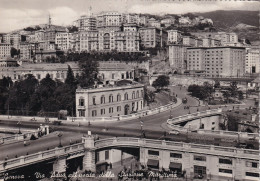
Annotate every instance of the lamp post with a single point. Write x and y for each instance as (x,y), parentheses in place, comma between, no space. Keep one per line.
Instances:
(19,126)
(60,135)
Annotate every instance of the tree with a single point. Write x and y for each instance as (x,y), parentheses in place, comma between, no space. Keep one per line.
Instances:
(89,73)
(70,80)
(161,82)
(226,95)
(240,95)
(149,95)
(217,84)
(233,89)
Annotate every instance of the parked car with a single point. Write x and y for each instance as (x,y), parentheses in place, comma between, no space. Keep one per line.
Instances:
(174,132)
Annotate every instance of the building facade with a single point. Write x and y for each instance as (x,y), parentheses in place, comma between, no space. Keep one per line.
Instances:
(174,37)
(109,101)
(217,61)
(178,56)
(152,37)
(252,61)
(5,50)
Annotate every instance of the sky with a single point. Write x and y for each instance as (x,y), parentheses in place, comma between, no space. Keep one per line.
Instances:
(17,14)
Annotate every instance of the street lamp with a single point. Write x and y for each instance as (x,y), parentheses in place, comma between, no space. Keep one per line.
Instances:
(19,126)
(60,135)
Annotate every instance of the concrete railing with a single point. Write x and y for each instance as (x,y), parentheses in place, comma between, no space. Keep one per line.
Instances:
(173,123)
(130,116)
(37,157)
(192,116)
(186,147)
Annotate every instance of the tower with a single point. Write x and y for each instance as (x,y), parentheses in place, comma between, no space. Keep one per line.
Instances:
(49,22)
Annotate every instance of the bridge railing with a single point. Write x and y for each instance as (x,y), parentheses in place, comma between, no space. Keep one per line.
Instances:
(23,160)
(162,144)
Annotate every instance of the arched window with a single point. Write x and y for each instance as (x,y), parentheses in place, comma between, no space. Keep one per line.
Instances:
(102,100)
(137,94)
(110,98)
(133,95)
(118,97)
(142,93)
(126,96)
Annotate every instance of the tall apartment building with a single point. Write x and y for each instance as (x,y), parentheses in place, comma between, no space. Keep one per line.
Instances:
(39,35)
(5,50)
(152,37)
(86,23)
(108,40)
(252,61)
(88,41)
(217,61)
(25,51)
(178,56)
(174,37)
(110,20)
(109,101)
(62,40)
(154,23)
(198,42)
(227,38)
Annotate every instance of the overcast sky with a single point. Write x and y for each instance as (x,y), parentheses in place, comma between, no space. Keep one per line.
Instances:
(16,14)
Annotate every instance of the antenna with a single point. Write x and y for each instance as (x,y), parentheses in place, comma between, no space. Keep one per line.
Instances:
(90,9)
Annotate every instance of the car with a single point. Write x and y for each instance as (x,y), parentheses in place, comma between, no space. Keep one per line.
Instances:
(174,132)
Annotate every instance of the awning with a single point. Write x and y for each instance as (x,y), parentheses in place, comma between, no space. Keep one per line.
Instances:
(154,163)
(175,165)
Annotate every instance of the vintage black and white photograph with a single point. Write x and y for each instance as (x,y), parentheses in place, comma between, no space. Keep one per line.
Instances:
(108,90)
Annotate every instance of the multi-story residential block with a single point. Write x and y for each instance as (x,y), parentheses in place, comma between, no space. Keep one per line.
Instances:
(154,23)
(174,37)
(198,42)
(62,40)
(252,61)
(210,42)
(46,45)
(185,21)
(142,20)
(86,23)
(8,62)
(168,21)
(178,56)
(227,38)
(189,40)
(217,61)
(89,40)
(110,20)
(50,33)
(5,50)
(39,35)
(25,50)
(152,37)
(120,99)
(15,40)
(131,18)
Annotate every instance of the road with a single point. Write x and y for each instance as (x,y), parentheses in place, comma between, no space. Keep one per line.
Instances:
(152,127)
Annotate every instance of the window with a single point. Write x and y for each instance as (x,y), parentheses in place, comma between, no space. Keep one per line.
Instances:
(111,110)
(137,94)
(103,101)
(176,155)
(110,98)
(252,164)
(118,108)
(113,76)
(106,154)
(102,111)
(81,102)
(225,161)
(199,158)
(81,113)
(94,113)
(97,156)
(152,152)
(251,174)
(126,96)
(94,100)
(221,170)
(133,95)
